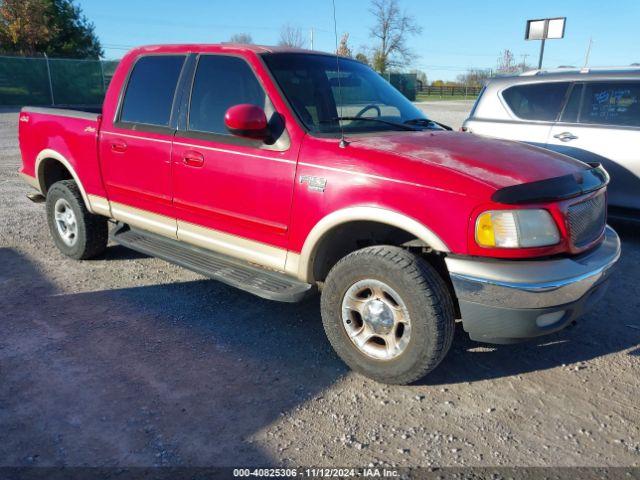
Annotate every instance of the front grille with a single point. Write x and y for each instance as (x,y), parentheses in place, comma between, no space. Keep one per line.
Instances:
(587,220)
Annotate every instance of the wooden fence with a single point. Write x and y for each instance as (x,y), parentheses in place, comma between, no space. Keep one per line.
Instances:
(444,91)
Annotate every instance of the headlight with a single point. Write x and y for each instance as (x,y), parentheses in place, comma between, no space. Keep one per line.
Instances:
(516,229)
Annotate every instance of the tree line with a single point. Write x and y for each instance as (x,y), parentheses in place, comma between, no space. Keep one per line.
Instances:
(391,29)
(56,28)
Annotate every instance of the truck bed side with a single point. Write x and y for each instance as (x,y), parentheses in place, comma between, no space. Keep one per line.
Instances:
(54,137)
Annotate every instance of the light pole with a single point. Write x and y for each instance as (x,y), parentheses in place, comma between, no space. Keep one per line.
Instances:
(541,54)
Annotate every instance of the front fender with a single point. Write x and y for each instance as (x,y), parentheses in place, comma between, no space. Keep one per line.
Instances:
(301,265)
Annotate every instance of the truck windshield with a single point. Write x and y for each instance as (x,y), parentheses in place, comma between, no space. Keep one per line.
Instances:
(358,98)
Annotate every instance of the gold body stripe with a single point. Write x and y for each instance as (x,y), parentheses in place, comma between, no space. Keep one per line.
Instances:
(232,245)
(145,220)
(215,240)
(99,205)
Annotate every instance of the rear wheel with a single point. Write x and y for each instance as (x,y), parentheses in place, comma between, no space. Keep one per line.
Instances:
(388,314)
(76,232)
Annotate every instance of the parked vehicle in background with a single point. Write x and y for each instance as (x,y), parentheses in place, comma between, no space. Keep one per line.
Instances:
(282,172)
(590,114)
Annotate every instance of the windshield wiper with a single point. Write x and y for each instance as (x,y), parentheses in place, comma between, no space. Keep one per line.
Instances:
(427,121)
(369,119)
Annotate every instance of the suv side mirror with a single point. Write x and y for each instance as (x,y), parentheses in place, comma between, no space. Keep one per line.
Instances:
(248,121)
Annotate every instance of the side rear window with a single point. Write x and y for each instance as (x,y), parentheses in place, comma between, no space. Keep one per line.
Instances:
(150,90)
(220,83)
(612,103)
(539,101)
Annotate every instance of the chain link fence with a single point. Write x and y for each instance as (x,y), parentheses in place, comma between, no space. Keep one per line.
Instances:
(406,83)
(53,81)
(62,81)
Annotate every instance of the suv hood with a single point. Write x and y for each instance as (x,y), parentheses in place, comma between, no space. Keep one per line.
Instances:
(497,163)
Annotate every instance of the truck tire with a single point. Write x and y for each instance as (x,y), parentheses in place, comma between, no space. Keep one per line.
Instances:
(388,314)
(76,232)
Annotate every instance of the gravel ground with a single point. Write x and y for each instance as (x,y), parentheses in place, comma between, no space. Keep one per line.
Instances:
(128,360)
(451,113)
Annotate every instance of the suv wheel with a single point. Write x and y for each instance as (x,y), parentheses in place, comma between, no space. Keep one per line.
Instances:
(388,314)
(76,232)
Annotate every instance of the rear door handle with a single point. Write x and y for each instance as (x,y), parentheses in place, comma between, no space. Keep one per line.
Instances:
(565,136)
(118,146)
(193,158)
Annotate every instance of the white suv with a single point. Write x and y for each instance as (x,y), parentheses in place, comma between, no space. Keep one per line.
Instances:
(589,114)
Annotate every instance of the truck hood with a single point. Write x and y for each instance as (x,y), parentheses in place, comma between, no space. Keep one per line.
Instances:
(497,163)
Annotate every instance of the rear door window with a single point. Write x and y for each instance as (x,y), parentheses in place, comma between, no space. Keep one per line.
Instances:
(220,83)
(612,103)
(539,101)
(151,88)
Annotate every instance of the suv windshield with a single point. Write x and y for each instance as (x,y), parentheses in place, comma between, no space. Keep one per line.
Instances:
(358,98)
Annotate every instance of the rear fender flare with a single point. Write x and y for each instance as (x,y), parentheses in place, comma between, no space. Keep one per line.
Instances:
(49,153)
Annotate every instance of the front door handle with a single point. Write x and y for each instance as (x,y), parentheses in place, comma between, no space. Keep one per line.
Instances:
(193,158)
(118,146)
(565,136)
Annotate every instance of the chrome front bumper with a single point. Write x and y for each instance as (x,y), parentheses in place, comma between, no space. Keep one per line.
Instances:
(505,300)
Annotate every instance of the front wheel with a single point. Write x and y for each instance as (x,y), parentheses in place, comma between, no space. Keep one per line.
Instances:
(388,314)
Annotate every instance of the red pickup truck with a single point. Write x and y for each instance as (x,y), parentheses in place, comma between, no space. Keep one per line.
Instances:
(283,172)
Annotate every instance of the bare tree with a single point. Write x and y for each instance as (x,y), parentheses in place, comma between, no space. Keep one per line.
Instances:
(343,47)
(392,29)
(474,77)
(507,63)
(291,36)
(241,38)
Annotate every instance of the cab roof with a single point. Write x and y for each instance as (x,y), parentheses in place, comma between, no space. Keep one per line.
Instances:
(220,47)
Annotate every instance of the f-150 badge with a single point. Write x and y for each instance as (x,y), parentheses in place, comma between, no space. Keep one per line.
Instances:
(316,184)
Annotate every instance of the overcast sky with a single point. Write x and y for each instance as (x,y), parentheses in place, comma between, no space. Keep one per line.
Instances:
(456,35)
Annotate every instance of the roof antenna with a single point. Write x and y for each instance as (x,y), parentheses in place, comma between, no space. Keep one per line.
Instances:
(343,141)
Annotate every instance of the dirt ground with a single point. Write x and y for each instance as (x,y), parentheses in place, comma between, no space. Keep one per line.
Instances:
(130,361)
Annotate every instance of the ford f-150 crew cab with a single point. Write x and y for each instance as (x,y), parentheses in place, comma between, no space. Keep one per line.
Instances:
(283,172)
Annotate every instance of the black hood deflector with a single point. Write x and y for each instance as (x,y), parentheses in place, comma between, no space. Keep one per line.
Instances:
(553,189)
